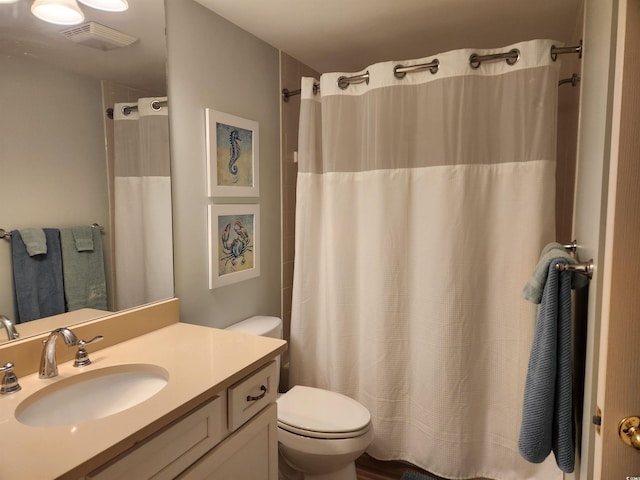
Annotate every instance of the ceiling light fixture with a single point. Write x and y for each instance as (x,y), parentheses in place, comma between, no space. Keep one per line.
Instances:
(8,1)
(107,5)
(60,12)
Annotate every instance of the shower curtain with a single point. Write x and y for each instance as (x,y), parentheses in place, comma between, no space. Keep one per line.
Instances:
(422,205)
(142,197)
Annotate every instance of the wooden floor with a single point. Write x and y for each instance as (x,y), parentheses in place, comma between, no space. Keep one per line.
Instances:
(369,468)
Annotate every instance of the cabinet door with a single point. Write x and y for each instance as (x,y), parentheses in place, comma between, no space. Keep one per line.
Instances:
(168,453)
(251,453)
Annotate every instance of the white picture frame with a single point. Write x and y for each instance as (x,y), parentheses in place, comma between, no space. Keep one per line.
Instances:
(234,243)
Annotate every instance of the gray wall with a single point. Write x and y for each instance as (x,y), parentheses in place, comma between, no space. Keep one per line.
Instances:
(214,64)
(52,154)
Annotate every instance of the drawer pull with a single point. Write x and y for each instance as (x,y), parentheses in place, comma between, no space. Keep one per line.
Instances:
(263,389)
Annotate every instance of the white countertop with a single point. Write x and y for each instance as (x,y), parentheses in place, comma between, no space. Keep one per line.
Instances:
(201,363)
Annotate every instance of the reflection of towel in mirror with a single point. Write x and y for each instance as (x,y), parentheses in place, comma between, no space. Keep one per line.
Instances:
(37,280)
(35,241)
(83,236)
(84,278)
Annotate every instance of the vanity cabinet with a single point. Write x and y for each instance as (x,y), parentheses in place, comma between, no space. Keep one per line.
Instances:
(231,436)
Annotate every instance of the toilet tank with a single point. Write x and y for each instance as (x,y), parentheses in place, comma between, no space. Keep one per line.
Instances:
(263,326)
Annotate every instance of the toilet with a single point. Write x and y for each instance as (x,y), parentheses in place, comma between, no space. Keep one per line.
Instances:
(320,433)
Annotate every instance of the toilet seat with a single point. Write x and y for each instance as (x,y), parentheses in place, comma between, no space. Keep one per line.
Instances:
(317,413)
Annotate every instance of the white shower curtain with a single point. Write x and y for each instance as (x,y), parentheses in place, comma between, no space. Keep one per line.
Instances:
(422,206)
(142,197)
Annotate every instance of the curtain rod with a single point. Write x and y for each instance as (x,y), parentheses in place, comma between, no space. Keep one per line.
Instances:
(475,60)
(127,109)
(286,93)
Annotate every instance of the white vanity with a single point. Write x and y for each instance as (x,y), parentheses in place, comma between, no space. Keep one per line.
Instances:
(214,419)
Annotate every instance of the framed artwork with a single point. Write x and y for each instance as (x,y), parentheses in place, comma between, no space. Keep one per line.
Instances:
(234,243)
(232,155)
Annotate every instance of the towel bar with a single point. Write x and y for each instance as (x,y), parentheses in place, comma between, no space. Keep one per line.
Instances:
(7,235)
(585,268)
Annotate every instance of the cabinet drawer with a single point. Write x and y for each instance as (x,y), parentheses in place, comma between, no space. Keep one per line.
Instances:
(252,394)
(170,452)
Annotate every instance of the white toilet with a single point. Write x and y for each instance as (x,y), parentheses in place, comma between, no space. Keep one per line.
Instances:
(320,433)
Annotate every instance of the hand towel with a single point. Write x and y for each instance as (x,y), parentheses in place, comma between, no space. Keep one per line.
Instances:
(83,270)
(547,417)
(83,237)
(532,291)
(37,281)
(35,240)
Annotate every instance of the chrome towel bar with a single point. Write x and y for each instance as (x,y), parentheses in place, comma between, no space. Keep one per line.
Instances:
(585,268)
(7,235)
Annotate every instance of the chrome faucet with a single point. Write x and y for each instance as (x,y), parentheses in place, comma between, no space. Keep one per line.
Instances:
(10,327)
(48,362)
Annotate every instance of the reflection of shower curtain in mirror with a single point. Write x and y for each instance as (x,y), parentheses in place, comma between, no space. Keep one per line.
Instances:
(142,197)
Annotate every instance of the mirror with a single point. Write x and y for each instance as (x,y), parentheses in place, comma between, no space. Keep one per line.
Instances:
(54,91)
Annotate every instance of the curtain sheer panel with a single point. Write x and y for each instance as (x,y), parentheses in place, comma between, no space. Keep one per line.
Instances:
(142,198)
(422,206)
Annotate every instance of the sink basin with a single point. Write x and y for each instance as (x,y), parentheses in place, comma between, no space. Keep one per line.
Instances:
(92,395)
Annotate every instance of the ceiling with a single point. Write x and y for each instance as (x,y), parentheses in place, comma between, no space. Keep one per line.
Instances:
(348,35)
(327,35)
(140,65)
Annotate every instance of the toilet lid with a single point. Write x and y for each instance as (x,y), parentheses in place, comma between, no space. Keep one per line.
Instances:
(316,412)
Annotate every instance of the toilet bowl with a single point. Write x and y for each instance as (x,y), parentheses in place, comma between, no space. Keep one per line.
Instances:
(320,433)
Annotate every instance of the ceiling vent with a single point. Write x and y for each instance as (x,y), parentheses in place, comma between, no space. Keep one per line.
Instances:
(98,36)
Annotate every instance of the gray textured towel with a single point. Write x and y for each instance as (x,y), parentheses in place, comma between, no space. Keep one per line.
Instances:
(35,241)
(83,236)
(547,418)
(532,291)
(84,278)
(37,280)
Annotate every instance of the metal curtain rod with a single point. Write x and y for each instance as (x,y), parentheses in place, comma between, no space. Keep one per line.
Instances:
(475,60)
(400,71)
(127,109)
(286,93)
(7,235)
(575,78)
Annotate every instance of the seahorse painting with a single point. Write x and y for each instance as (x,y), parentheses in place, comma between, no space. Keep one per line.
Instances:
(235,155)
(234,150)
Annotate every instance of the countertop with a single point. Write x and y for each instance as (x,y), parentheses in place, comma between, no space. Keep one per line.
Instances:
(201,363)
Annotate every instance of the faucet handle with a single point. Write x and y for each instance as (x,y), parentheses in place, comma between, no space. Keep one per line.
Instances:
(82,356)
(9,380)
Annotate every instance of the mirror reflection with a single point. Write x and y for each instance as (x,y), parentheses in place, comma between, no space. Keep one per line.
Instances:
(66,165)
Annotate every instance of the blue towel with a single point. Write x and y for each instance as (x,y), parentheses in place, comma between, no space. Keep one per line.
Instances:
(37,281)
(83,270)
(547,416)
